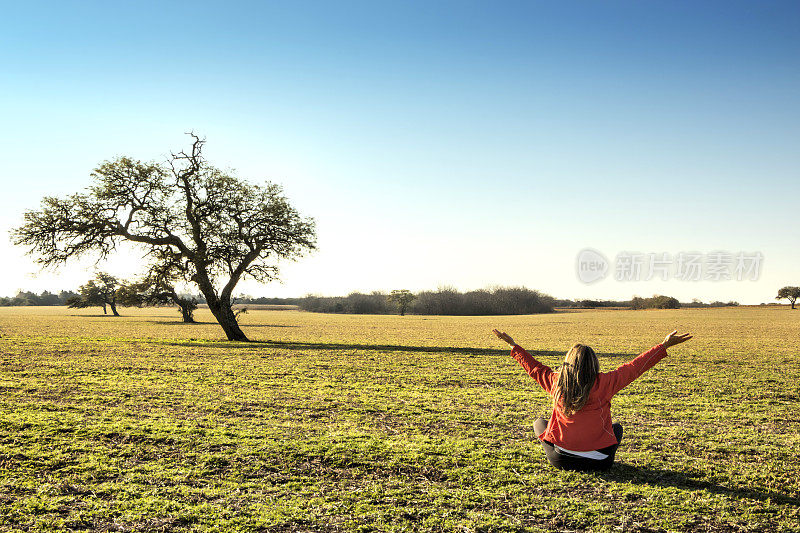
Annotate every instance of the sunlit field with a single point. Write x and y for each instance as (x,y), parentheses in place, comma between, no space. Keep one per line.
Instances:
(388,423)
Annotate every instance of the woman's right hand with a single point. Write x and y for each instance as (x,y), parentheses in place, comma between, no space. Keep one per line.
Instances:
(502,335)
(673,338)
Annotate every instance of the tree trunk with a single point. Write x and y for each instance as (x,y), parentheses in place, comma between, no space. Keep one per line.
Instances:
(105,311)
(226,318)
(220,308)
(187,314)
(113,307)
(224,314)
(792,304)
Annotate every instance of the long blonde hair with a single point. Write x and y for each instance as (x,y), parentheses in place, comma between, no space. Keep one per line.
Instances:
(576,379)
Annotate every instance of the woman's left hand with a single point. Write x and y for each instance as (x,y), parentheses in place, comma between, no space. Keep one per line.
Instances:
(502,335)
(673,338)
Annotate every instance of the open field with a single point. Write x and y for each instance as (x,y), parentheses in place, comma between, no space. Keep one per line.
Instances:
(386,423)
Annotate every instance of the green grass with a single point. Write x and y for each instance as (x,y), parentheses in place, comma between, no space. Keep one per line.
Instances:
(383,423)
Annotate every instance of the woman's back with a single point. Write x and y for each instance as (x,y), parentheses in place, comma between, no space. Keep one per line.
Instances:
(590,427)
(580,423)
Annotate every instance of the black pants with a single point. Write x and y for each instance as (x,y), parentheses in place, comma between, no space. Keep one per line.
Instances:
(571,462)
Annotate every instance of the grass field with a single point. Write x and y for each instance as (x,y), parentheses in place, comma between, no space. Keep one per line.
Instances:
(386,423)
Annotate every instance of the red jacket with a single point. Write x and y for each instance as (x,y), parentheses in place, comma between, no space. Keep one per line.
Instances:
(590,428)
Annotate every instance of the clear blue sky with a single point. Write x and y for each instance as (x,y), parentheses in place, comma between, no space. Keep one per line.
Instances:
(436,143)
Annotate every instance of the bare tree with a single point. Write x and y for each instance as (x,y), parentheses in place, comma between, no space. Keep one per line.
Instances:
(197,221)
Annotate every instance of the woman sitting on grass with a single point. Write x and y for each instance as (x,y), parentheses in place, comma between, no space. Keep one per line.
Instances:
(579,435)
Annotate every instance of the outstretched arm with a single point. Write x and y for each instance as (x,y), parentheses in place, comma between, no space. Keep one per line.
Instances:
(543,374)
(626,373)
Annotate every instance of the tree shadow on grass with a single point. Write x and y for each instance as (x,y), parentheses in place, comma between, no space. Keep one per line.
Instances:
(270,326)
(200,323)
(301,345)
(623,472)
(181,322)
(298,345)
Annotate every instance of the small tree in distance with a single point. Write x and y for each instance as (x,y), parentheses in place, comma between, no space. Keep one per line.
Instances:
(145,293)
(158,287)
(790,293)
(99,292)
(402,298)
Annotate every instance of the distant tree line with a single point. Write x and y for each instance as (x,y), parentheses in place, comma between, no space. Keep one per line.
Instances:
(637,302)
(27,298)
(44,298)
(443,301)
(658,301)
(375,303)
(591,304)
(498,301)
(716,303)
(261,300)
